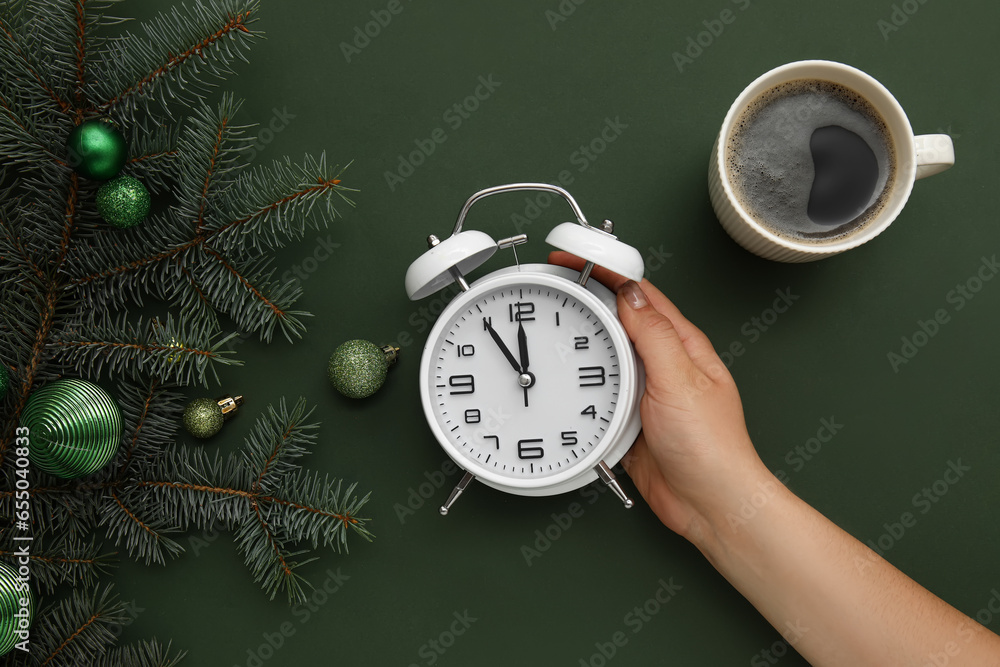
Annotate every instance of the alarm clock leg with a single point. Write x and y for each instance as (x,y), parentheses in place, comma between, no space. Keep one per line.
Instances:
(608,477)
(456,492)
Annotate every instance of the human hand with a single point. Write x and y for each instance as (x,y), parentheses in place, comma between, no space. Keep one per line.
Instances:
(693,459)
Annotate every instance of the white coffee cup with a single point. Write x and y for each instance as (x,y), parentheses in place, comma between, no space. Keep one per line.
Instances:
(915,157)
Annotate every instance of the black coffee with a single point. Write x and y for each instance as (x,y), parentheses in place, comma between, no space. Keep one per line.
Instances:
(811,160)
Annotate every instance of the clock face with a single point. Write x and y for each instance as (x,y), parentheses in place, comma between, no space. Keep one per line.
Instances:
(524,379)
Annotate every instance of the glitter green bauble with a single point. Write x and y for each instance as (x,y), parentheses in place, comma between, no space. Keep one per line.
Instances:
(358,367)
(123,202)
(4,380)
(97,150)
(74,428)
(14,616)
(203,417)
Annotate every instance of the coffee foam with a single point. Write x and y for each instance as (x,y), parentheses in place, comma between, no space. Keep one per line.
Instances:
(770,164)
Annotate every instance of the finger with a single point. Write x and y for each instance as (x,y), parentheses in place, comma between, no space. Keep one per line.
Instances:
(606,277)
(698,345)
(656,341)
(645,473)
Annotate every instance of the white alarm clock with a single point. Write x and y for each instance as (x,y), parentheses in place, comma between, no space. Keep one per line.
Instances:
(528,379)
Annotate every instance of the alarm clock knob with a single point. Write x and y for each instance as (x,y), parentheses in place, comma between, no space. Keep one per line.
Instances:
(598,247)
(447,261)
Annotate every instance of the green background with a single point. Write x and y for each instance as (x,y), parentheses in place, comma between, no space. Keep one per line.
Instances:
(826,358)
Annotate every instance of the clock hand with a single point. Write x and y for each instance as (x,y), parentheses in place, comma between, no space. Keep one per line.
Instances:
(525,379)
(503,348)
(522,346)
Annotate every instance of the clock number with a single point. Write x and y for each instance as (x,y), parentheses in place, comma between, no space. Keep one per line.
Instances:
(524,452)
(591,376)
(487,323)
(569,438)
(464,384)
(582,343)
(522,311)
(466,350)
(590,410)
(495,437)
(473,416)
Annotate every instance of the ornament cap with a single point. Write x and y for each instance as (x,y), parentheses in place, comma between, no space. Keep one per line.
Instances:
(391,354)
(229,405)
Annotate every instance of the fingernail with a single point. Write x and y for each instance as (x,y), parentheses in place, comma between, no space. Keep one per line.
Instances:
(633,294)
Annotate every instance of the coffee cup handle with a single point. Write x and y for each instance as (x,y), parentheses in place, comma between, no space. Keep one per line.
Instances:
(935,153)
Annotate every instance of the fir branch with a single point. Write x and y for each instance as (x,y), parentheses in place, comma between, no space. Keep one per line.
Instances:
(151,416)
(77,629)
(323,513)
(271,205)
(61,558)
(262,494)
(171,353)
(271,563)
(279,438)
(143,654)
(179,48)
(18,61)
(22,389)
(68,285)
(144,538)
(246,293)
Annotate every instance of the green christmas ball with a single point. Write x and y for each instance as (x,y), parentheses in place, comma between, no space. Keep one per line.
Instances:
(97,150)
(4,380)
(203,417)
(123,202)
(358,368)
(17,608)
(73,427)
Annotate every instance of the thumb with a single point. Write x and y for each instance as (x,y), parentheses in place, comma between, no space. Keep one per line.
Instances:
(656,340)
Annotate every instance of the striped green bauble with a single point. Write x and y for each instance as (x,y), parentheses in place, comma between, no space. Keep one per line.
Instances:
(74,428)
